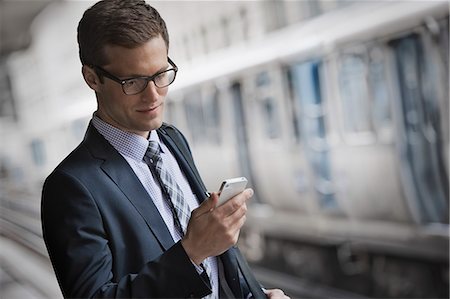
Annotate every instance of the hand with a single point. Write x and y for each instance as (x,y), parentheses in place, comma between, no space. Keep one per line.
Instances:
(275,294)
(212,230)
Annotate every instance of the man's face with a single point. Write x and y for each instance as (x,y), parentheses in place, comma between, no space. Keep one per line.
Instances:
(138,113)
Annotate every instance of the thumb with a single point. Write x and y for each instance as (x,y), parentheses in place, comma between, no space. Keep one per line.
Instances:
(207,205)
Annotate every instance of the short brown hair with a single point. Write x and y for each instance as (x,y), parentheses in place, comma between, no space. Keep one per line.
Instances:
(126,23)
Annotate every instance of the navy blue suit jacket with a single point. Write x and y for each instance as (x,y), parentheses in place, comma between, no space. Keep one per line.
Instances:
(106,238)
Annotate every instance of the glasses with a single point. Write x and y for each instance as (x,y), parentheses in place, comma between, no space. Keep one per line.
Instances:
(132,86)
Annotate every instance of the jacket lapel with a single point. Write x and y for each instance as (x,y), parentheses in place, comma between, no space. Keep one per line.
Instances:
(118,170)
(196,187)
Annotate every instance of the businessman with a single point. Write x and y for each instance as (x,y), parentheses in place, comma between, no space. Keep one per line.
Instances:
(126,214)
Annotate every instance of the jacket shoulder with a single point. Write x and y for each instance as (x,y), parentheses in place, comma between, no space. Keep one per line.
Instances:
(167,128)
(175,134)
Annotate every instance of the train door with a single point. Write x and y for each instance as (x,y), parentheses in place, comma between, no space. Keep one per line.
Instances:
(306,81)
(240,129)
(421,152)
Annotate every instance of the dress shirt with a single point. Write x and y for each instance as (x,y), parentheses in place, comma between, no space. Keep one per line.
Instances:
(133,147)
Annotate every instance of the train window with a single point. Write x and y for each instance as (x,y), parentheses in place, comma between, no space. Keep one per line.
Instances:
(444,42)
(307,86)
(203,115)
(309,76)
(212,115)
(262,79)
(422,155)
(430,85)
(38,152)
(193,109)
(268,105)
(354,94)
(270,117)
(444,54)
(294,111)
(381,112)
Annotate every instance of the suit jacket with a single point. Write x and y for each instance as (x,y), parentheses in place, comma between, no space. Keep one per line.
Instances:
(106,238)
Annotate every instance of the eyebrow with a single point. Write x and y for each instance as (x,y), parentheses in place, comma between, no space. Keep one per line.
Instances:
(140,75)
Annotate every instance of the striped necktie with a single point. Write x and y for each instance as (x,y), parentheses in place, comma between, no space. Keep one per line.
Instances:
(172,193)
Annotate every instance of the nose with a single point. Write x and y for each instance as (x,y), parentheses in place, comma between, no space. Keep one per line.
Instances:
(150,92)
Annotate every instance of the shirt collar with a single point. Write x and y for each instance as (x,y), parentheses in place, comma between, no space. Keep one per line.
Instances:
(126,143)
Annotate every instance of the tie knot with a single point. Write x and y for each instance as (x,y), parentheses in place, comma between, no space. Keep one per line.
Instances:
(153,151)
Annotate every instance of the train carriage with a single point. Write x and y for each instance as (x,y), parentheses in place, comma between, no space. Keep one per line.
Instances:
(341,126)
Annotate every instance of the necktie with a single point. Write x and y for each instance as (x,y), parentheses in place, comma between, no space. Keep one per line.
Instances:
(172,194)
(171,191)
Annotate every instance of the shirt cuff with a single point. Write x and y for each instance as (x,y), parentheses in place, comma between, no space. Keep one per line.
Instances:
(198,268)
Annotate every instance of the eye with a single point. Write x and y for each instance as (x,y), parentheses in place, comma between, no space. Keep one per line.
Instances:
(130,83)
(164,78)
(161,77)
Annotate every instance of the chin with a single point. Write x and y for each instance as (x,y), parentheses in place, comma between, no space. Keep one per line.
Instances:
(155,124)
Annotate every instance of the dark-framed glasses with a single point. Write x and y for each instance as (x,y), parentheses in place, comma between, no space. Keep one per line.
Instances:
(135,85)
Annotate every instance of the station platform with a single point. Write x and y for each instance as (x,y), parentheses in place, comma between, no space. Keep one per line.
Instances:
(24,274)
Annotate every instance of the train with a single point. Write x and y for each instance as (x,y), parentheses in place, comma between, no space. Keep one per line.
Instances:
(341,125)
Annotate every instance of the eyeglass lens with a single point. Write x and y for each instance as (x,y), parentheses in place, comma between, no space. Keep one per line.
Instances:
(137,85)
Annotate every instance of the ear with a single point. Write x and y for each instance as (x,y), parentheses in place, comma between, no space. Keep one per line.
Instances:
(91,78)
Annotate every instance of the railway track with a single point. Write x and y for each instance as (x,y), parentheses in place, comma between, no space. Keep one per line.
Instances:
(26,271)
(22,225)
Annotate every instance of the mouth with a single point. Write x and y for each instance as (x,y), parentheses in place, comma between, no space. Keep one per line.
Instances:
(150,109)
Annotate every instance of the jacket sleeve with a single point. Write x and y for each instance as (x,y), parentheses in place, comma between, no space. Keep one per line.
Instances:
(78,247)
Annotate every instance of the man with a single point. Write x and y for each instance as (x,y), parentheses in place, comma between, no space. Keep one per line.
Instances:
(126,214)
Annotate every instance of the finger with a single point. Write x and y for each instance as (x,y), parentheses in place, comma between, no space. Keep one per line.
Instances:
(248,193)
(242,197)
(237,214)
(231,234)
(275,293)
(235,222)
(206,206)
(236,202)
(214,197)
(235,228)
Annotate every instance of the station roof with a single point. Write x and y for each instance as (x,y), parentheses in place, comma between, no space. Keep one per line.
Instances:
(16,17)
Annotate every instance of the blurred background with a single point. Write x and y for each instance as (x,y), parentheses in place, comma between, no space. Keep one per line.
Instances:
(336,111)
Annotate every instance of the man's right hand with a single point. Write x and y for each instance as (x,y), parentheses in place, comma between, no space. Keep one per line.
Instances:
(212,230)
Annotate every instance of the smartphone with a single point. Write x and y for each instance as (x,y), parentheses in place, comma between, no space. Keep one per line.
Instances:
(231,188)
